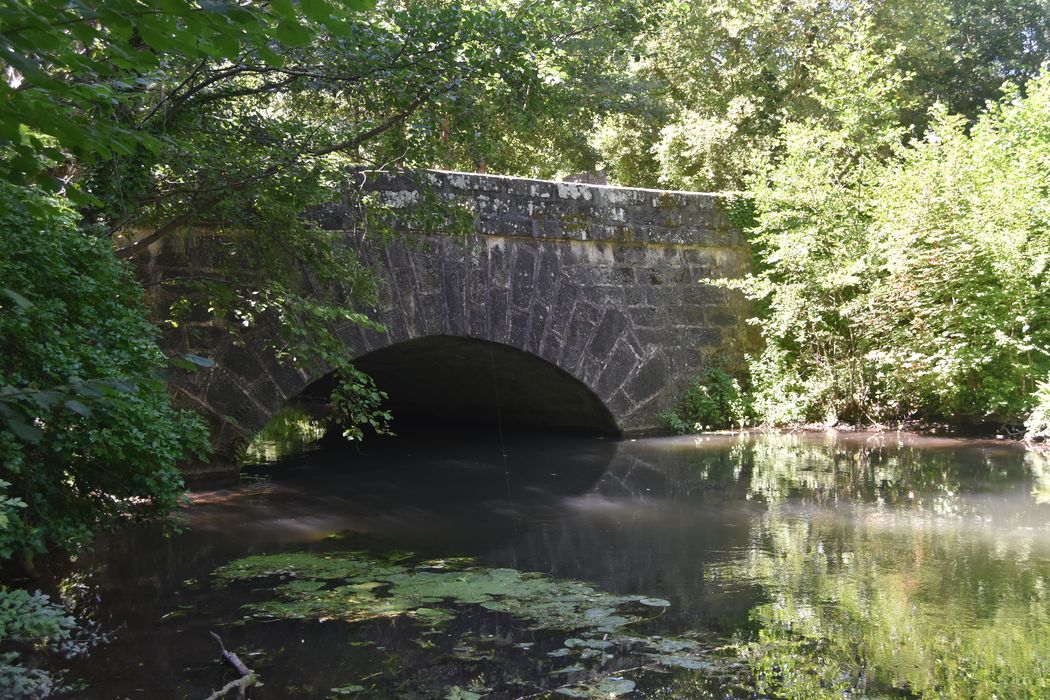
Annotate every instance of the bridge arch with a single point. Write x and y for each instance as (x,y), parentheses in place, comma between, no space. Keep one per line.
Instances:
(441,379)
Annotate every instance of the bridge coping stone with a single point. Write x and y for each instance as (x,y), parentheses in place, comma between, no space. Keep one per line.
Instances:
(533,208)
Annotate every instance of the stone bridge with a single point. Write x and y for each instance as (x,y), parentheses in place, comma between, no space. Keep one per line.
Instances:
(568,306)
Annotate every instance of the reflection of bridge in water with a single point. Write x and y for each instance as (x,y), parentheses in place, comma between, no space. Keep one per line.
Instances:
(582,306)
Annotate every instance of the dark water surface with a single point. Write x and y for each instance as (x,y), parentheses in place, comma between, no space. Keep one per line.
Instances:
(798,565)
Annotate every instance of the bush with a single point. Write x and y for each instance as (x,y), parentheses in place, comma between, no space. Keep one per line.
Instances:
(88,436)
(904,281)
(714,400)
(31,625)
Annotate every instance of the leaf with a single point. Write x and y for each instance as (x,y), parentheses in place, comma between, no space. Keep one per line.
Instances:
(292,34)
(155,36)
(283,8)
(14,296)
(24,431)
(317,10)
(614,687)
(655,602)
(191,362)
(78,407)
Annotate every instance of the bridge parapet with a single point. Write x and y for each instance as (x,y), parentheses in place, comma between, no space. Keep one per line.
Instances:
(511,206)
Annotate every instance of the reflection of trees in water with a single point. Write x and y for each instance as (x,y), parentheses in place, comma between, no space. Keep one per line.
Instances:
(919,570)
(872,562)
(652,524)
(1038,462)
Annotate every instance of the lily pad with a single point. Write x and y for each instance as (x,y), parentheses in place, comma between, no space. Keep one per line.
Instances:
(655,602)
(678,661)
(615,687)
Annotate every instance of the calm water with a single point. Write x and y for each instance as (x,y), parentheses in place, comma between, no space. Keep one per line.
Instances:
(882,565)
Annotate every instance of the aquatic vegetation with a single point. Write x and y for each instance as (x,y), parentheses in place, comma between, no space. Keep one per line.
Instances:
(356,586)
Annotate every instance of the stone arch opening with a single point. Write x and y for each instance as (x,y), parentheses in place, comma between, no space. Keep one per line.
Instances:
(443,380)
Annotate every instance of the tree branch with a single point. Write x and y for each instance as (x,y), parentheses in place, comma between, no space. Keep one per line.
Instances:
(196,209)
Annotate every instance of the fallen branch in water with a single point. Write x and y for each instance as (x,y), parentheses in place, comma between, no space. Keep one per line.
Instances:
(247,680)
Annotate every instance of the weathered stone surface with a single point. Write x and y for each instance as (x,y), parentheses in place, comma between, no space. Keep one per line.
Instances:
(610,285)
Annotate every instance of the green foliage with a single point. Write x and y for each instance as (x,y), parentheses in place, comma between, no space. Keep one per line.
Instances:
(79,69)
(713,400)
(289,430)
(32,625)
(358,403)
(94,440)
(899,281)
(716,83)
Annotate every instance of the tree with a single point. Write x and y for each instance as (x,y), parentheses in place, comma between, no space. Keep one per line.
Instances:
(716,82)
(905,281)
(153,118)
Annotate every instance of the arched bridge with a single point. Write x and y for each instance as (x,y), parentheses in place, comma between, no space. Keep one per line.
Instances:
(574,305)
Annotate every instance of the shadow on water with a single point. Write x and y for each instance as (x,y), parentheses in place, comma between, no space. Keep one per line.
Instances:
(819,565)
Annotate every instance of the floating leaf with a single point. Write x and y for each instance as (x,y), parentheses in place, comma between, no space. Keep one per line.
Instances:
(655,602)
(615,687)
(677,661)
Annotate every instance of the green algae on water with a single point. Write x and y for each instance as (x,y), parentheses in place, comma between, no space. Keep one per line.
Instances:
(355,586)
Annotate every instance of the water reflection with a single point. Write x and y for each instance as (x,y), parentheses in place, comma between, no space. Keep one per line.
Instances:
(874,564)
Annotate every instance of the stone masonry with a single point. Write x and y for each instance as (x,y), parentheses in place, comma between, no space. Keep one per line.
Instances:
(608,284)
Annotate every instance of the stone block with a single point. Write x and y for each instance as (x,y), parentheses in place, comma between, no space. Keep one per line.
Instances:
(547,276)
(551,348)
(477,319)
(289,380)
(498,265)
(647,316)
(704,294)
(723,318)
(267,395)
(689,315)
(228,398)
(561,310)
(498,306)
(240,362)
(581,327)
(538,315)
(620,365)
(609,329)
(522,279)
(519,328)
(434,314)
(455,299)
(428,272)
(648,380)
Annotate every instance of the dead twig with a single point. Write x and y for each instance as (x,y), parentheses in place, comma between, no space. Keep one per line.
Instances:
(247,679)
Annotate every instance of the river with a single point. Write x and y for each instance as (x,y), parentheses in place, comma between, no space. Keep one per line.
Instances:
(793,565)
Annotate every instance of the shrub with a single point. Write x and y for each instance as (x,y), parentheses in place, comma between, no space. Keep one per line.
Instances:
(714,400)
(88,436)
